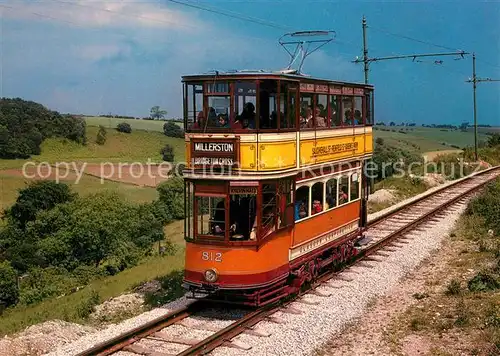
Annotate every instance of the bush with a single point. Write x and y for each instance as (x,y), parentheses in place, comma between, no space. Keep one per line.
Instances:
(483,282)
(453,288)
(173,130)
(379,141)
(38,196)
(101,135)
(487,206)
(25,124)
(87,306)
(93,229)
(167,153)
(124,127)
(9,293)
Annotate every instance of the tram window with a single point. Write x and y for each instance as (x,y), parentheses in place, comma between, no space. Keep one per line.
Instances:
(344,190)
(317,198)
(287,106)
(268,101)
(245,102)
(194,100)
(221,87)
(331,194)
(354,186)
(285,209)
(347,110)
(369,109)
(211,216)
(242,216)
(336,117)
(188,206)
(358,110)
(306,111)
(268,208)
(321,111)
(218,111)
(301,203)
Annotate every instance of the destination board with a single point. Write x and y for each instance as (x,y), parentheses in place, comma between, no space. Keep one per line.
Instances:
(216,152)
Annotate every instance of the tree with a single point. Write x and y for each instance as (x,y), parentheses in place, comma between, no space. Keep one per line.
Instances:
(171,194)
(463,127)
(168,153)
(157,113)
(25,124)
(124,127)
(38,196)
(9,293)
(494,140)
(171,129)
(392,123)
(101,135)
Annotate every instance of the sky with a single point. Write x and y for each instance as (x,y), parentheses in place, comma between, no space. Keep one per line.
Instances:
(125,56)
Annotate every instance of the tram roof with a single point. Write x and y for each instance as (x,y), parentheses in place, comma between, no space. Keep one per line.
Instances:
(266,73)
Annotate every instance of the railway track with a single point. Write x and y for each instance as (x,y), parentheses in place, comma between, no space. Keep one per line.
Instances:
(385,230)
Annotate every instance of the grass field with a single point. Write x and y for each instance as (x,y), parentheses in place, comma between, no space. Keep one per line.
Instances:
(112,122)
(119,147)
(10,185)
(432,139)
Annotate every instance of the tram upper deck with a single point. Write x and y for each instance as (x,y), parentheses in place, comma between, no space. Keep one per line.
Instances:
(269,122)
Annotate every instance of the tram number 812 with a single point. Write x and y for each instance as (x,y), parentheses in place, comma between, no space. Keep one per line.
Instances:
(211,256)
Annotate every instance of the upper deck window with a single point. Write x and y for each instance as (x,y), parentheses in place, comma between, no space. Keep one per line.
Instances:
(369,108)
(218,88)
(245,102)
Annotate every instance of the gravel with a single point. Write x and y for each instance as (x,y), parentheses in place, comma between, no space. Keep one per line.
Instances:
(114,330)
(302,334)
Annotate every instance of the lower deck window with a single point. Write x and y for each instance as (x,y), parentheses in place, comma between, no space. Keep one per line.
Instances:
(243,217)
(211,216)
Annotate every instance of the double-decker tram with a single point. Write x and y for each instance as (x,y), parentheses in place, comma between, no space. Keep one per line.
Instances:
(274,190)
(274,187)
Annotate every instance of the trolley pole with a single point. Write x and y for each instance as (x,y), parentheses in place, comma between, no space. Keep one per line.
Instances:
(365,50)
(474,80)
(366,69)
(474,86)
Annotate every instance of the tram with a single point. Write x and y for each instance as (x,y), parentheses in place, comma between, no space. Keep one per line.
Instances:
(274,185)
(274,190)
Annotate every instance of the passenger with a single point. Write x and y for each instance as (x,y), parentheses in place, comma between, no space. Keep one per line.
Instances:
(200,122)
(358,120)
(247,118)
(212,117)
(302,211)
(343,197)
(222,121)
(330,201)
(320,120)
(316,207)
(309,118)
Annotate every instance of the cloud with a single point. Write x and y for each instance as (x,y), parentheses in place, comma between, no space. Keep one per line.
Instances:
(96,52)
(103,13)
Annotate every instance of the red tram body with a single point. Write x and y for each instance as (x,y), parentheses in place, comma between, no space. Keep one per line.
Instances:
(274,187)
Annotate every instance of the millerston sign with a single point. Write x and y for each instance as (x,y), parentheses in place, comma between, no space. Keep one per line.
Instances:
(217,152)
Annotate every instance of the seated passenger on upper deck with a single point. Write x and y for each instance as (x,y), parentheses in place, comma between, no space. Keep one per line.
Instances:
(200,122)
(247,118)
(320,121)
(222,121)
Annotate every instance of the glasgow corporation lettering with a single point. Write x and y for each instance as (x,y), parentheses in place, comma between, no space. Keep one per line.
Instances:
(341,147)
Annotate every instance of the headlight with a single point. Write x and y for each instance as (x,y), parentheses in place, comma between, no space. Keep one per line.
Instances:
(210,275)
